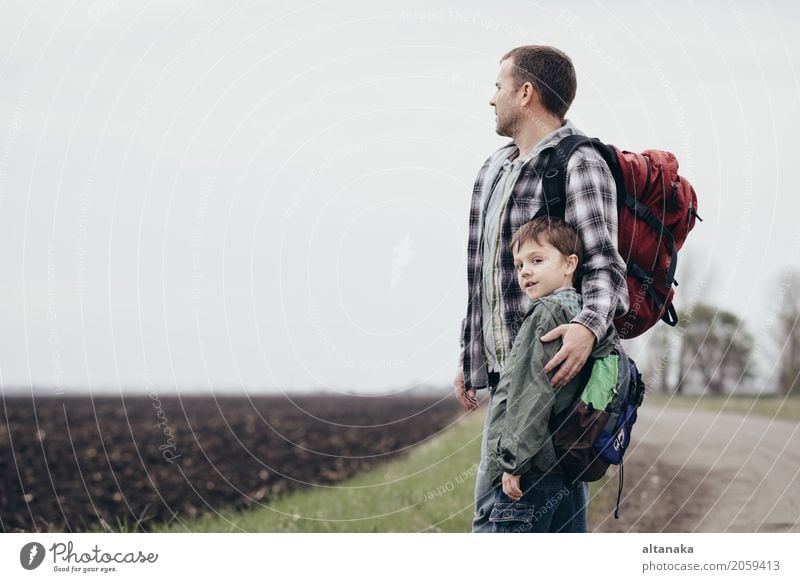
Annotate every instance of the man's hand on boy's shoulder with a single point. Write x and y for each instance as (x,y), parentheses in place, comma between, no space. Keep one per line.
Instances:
(511,486)
(578,343)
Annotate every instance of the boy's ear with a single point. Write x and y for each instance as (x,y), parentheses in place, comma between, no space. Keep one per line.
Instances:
(572,264)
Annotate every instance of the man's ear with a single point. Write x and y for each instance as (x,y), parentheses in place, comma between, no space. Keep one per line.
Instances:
(529,93)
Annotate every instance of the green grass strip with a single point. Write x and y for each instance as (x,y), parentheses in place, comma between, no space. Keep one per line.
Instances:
(431,489)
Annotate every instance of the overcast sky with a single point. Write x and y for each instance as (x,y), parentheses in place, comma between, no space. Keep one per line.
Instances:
(272,195)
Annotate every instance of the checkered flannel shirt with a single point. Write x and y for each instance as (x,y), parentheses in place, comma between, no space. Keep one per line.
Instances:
(590,207)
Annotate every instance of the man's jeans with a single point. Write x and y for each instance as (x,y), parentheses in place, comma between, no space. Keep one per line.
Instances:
(485,493)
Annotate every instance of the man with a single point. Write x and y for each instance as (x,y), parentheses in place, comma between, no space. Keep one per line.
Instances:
(535,87)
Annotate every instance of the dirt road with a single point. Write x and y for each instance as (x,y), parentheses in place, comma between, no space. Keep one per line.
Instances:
(700,471)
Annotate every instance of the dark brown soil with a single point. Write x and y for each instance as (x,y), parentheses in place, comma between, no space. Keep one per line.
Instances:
(78,463)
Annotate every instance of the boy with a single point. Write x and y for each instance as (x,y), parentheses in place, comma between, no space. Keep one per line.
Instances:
(531,493)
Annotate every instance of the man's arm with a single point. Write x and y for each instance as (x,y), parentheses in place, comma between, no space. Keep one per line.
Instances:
(466,398)
(591,208)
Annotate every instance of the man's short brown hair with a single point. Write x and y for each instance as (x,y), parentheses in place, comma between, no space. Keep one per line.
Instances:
(553,231)
(550,71)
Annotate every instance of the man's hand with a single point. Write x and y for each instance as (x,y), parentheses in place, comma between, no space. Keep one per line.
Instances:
(465,397)
(578,344)
(511,486)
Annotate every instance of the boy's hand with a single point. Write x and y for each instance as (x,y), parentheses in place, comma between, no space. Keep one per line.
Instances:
(578,344)
(511,486)
(467,398)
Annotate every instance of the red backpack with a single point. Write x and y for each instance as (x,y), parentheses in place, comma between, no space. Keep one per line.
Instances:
(657,209)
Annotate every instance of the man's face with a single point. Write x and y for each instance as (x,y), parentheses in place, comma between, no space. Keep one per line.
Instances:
(541,269)
(507,111)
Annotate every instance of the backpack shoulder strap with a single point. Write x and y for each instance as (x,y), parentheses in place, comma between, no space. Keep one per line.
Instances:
(554,180)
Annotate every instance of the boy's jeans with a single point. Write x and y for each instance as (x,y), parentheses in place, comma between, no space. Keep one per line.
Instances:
(547,505)
(485,493)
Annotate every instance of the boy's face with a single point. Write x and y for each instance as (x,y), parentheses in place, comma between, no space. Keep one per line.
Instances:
(541,268)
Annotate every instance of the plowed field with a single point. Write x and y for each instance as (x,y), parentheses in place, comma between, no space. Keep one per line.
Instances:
(77,463)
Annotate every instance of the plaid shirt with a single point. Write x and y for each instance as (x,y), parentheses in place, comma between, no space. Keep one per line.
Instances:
(590,207)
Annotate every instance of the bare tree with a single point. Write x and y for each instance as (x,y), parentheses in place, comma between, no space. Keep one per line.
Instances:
(660,358)
(789,332)
(718,347)
(668,355)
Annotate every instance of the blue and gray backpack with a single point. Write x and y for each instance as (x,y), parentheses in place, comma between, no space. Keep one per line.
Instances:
(594,431)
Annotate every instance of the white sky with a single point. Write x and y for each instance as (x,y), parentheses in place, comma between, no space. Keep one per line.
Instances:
(209,195)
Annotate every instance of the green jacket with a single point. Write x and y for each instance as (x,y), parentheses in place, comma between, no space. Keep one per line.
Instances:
(519,435)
